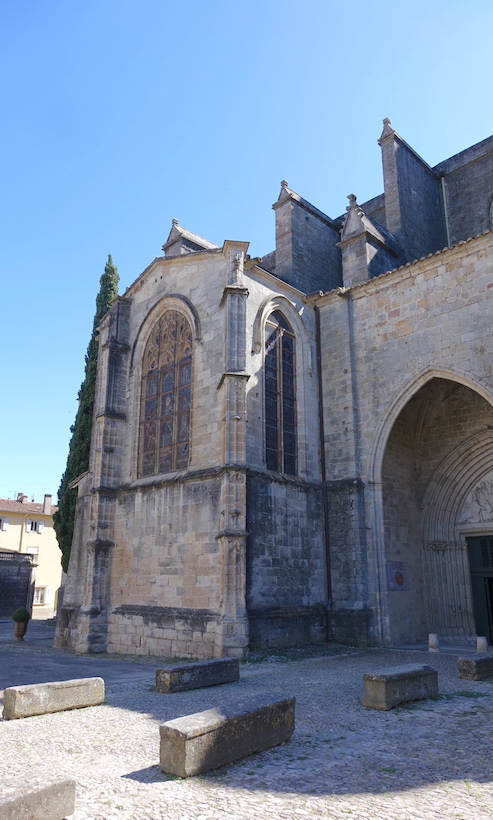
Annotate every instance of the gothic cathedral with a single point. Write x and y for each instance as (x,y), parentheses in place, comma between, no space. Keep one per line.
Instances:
(299,448)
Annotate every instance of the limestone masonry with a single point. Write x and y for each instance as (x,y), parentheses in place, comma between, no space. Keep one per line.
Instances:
(299,448)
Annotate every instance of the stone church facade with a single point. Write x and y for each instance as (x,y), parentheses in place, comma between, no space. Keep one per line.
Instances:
(299,448)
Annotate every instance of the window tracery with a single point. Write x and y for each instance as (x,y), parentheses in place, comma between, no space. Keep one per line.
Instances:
(166,396)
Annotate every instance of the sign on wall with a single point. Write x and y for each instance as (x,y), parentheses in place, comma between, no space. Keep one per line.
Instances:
(397,576)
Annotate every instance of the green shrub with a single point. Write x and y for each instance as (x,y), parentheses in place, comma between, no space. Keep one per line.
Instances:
(21,615)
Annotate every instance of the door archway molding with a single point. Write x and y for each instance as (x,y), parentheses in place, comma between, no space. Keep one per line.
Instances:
(404,394)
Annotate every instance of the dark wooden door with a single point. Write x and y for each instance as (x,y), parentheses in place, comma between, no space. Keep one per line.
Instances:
(481,563)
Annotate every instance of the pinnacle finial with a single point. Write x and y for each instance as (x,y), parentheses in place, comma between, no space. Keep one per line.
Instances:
(352,199)
(174,222)
(388,130)
(284,184)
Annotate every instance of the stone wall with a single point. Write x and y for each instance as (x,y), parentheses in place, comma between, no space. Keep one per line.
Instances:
(413,200)
(468,190)
(381,343)
(286,583)
(306,254)
(166,565)
(164,556)
(404,546)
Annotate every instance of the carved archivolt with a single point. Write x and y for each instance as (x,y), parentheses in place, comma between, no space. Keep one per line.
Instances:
(403,395)
(460,491)
(478,506)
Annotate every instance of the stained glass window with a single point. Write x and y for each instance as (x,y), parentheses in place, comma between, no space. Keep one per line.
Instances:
(166,396)
(280,402)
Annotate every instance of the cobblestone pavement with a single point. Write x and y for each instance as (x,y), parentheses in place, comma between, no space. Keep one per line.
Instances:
(433,759)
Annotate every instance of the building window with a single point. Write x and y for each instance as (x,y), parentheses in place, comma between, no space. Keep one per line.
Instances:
(280,405)
(4,522)
(39,596)
(166,396)
(34,526)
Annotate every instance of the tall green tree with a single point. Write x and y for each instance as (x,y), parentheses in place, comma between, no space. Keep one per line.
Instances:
(80,443)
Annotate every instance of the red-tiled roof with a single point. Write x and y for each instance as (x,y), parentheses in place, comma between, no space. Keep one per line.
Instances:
(7,505)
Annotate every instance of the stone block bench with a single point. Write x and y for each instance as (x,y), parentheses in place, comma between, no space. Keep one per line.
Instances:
(56,696)
(31,798)
(206,740)
(476,667)
(388,688)
(197,675)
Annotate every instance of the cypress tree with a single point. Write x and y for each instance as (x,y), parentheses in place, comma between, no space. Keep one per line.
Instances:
(80,443)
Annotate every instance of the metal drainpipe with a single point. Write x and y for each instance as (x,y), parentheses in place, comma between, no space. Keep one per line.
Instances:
(30,596)
(325,500)
(23,527)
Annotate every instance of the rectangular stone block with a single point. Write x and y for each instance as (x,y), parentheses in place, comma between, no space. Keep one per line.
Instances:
(56,696)
(476,667)
(387,688)
(31,798)
(197,675)
(206,740)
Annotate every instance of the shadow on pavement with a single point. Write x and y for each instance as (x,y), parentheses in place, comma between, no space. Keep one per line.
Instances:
(339,748)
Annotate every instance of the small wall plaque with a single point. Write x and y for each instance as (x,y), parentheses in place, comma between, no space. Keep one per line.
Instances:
(397,576)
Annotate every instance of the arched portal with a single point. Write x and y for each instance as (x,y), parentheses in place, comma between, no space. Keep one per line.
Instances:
(437,485)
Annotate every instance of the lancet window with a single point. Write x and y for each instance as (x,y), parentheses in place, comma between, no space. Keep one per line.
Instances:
(166,396)
(280,399)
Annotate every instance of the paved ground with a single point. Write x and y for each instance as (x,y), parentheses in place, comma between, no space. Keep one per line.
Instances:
(430,760)
(34,661)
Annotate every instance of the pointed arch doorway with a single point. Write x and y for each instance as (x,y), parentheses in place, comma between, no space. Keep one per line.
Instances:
(439,452)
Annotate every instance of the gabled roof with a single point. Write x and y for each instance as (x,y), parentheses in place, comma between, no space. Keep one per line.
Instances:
(23,508)
(288,194)
(356,222)
(185,241)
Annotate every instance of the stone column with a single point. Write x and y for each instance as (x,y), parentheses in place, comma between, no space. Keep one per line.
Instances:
(232,627)
(105,465)
(351,615)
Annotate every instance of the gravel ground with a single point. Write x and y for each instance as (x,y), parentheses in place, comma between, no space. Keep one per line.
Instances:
(433,759)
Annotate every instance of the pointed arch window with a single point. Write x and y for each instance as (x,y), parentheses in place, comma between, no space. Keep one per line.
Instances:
(280,399)
(166,396)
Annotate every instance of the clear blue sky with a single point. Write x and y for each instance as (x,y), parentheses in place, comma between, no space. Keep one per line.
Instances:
(118,115)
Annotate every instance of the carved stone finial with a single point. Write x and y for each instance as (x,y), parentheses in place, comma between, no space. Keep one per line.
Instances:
(174,222)
(237,259)
(284,184)
(387,130)
(352,224)
(352,202)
